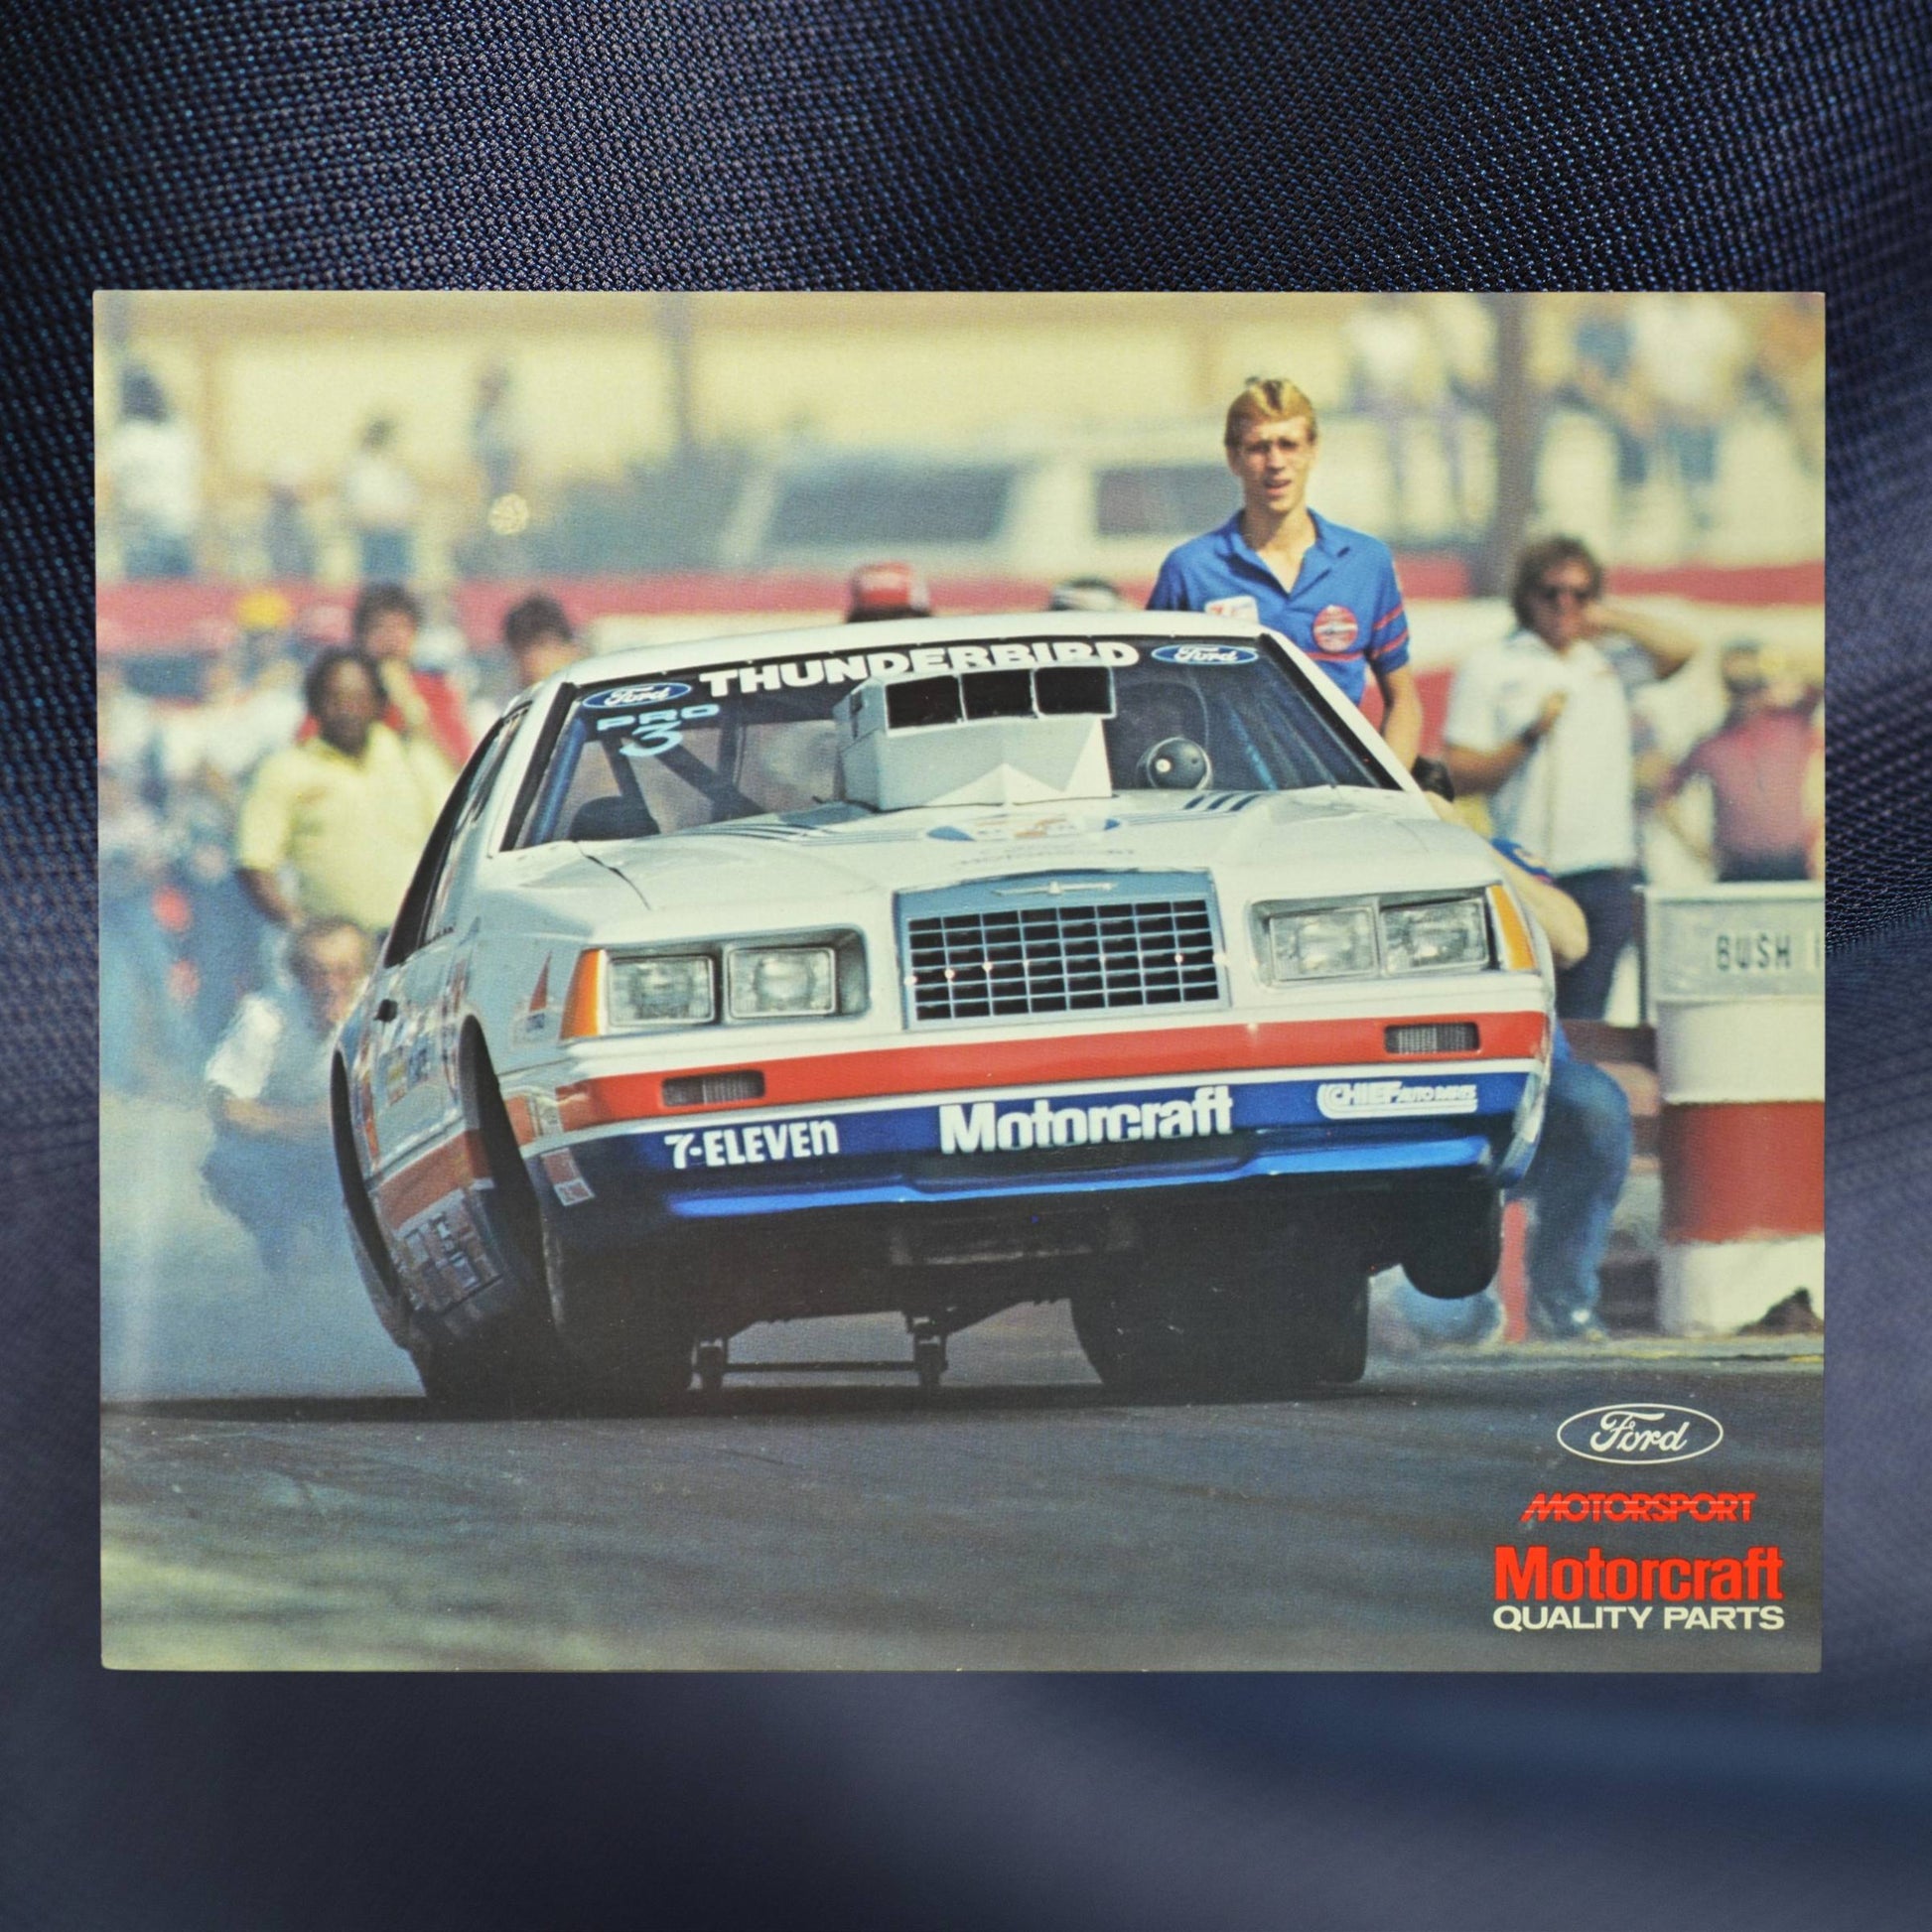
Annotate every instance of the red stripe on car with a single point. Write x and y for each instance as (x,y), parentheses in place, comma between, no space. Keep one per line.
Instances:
(881,1072)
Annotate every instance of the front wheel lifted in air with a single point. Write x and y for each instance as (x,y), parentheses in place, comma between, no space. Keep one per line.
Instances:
(1455,1242)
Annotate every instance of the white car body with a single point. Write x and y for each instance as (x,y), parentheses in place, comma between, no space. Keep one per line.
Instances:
(908,1149)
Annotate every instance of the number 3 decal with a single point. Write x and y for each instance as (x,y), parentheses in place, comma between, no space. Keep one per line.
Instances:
(653,732)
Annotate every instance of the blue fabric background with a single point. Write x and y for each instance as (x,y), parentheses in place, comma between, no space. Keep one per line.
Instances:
(923,143)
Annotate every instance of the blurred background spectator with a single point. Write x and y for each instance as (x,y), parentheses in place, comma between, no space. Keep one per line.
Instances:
(499,542)
(539,639)
(1757,764)
(1602,383)
(207,753)
(879,592)
(381,504)
(1400,378)
(267,1087)
(387,623)
(145,1036)
(1787,372)
(1539,724)
(1689,354)
(495,437)
(332,825)
(153,476)
(288,541)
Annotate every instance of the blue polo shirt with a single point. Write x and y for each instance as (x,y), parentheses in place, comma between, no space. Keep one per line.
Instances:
(1345,609)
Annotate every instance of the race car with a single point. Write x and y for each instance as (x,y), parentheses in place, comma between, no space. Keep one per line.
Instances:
(935,969)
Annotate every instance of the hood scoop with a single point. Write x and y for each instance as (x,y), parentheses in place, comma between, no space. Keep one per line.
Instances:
(1021,736)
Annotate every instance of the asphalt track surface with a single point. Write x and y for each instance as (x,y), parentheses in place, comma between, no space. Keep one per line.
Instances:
(275,1496)
(1020,1519)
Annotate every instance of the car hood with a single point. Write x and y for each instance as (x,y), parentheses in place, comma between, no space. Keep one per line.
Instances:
(1315,844)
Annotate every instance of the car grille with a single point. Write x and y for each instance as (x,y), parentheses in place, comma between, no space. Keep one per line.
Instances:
(1019,947)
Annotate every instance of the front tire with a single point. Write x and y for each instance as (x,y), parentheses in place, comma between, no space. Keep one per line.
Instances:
(485,1375)
(625,1326)
(1267,1315)
(1310,1327)
(508,1362)
(1455,1243)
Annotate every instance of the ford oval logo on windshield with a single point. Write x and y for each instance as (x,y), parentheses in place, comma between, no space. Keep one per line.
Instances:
(627,695)
(1205,654)
(1641,1431)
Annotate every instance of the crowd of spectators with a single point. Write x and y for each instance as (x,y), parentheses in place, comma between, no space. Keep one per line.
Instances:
(254,843)
(1661,376)
(158,522)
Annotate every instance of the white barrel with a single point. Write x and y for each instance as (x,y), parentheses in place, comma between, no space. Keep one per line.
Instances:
(1734,979)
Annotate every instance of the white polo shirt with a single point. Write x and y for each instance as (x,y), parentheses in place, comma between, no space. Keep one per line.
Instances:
(272,1052)
(1571,801)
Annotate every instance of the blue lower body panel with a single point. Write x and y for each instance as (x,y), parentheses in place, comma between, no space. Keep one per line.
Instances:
(1195,1133)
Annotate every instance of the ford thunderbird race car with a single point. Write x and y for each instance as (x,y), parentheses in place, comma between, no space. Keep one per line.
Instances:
(932,969)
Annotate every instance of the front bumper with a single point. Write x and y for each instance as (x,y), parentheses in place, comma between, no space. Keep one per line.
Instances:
(1449,1120)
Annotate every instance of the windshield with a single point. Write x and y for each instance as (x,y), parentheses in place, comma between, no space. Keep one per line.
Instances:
(732,741)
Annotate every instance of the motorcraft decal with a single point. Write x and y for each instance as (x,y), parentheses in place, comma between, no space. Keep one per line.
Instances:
(982,1126)
(1023,1121)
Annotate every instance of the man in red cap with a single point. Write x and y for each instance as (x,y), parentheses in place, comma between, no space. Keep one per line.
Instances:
(881,591)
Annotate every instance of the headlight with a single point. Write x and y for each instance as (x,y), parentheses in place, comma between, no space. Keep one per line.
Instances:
(815,975)
(782,982)
(1321,943)
(659,991)
(1446,935)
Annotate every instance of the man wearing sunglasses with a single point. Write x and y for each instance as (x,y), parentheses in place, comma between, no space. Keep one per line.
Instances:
(1539,722)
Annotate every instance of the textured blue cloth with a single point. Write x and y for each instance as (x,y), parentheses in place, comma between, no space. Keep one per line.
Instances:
(960,143)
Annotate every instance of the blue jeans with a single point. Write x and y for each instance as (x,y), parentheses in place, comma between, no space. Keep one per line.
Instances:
(274,1188)
(1609,911)
(1571,1187)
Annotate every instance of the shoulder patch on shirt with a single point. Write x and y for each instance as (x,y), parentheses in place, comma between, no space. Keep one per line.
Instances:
(1243,608)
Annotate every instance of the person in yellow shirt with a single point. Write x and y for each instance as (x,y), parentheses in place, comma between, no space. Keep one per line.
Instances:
(332,826)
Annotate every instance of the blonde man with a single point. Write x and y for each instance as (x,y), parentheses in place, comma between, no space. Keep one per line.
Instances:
(1329,589)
